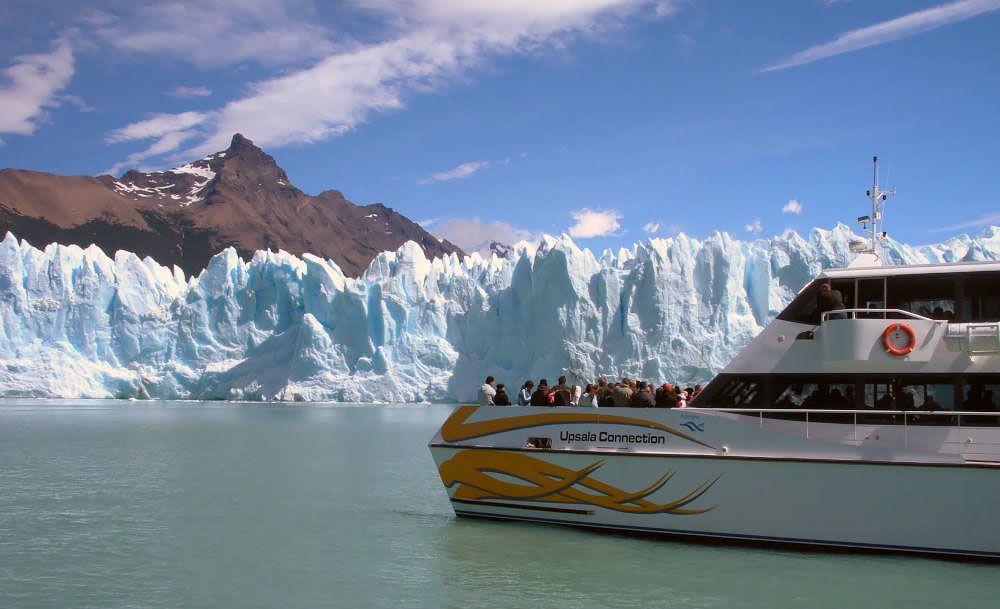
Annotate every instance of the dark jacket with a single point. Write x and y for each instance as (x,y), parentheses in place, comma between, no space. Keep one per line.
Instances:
(830,300)
(562,396)
(540,397)
(643,399)
(501,399)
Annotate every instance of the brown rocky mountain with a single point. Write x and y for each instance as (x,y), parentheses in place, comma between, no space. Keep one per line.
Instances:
(238,197)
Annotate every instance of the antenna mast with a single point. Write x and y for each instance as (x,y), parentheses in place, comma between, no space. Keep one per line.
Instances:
(878,198)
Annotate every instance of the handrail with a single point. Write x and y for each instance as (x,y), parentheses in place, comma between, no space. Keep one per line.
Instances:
(905,419)
(825,316)
(738,410)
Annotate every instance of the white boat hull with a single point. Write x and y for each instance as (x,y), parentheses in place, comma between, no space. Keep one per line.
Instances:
(690,485)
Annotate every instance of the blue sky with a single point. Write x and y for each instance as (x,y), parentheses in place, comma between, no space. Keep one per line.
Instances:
(613,120)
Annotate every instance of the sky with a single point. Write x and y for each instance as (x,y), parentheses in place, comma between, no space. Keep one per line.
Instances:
(610,120)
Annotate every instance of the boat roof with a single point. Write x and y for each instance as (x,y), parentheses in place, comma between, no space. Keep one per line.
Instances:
(911,269)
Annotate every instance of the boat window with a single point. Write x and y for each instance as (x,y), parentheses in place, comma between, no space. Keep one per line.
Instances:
(981,395)
(740,393)
(981,298)
(930,296)
(730,391)
(826,394)
(924,396)
(792,395)
(879,396)
(805,308)
(871,295)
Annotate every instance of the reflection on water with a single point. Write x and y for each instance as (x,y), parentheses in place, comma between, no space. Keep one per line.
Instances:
(170,504)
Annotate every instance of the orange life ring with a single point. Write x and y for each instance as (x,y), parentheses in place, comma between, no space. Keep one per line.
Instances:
(890,330)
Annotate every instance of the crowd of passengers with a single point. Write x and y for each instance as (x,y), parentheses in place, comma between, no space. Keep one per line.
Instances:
(624,393)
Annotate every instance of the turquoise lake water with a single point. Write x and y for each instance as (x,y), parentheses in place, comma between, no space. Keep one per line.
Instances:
(174,504)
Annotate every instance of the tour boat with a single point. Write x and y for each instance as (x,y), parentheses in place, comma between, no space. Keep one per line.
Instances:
(875,426)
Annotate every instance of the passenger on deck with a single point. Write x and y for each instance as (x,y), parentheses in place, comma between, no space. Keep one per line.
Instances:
(575,391)
(830,299)
(501,398)
(589,397)
(622,394)
(562,393)
(643,398)
(524,395)
(663,397)
(561,384)
(605,390)
(486,392)
(541,395)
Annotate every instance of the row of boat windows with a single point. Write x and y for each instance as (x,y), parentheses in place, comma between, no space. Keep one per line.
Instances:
(978,393)
(959,298)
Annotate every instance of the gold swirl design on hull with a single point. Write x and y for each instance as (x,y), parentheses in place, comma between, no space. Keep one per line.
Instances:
(475,472)
(458,427)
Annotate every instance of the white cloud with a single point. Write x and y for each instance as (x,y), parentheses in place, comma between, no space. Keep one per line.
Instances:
(75,100)
(792,207)
(475,235)
(594,223)
(651,227)
(428,44)
(165,142)
(888,31)
(992,219)
(218,33)
(157,125)
(33,83)
(755,227)
(185,92)
(455,173)
(169,130)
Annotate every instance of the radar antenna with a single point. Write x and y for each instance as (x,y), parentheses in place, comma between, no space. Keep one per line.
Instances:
(873,223)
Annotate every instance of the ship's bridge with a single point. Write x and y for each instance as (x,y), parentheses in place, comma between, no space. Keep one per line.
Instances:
(924,304)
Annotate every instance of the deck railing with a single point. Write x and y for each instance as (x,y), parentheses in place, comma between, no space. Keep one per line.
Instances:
(905,419)
(873,314)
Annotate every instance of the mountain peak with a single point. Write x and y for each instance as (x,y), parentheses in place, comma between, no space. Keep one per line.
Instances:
(241,143)
(238,197)
(244,163)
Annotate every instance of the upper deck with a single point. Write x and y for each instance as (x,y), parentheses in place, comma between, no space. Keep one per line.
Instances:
(956,292)
(912,269)
(946,316)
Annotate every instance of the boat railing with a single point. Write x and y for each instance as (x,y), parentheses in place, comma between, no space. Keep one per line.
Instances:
(906,419)
(873,314)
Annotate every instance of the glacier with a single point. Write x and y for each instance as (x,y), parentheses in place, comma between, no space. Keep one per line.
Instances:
(76,323)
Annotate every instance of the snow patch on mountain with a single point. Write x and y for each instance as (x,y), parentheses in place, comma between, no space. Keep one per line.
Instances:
(77,323)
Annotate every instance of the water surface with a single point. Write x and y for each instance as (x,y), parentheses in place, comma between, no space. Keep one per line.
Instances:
(217,505)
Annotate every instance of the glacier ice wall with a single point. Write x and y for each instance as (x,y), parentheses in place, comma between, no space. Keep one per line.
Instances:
(77,323)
